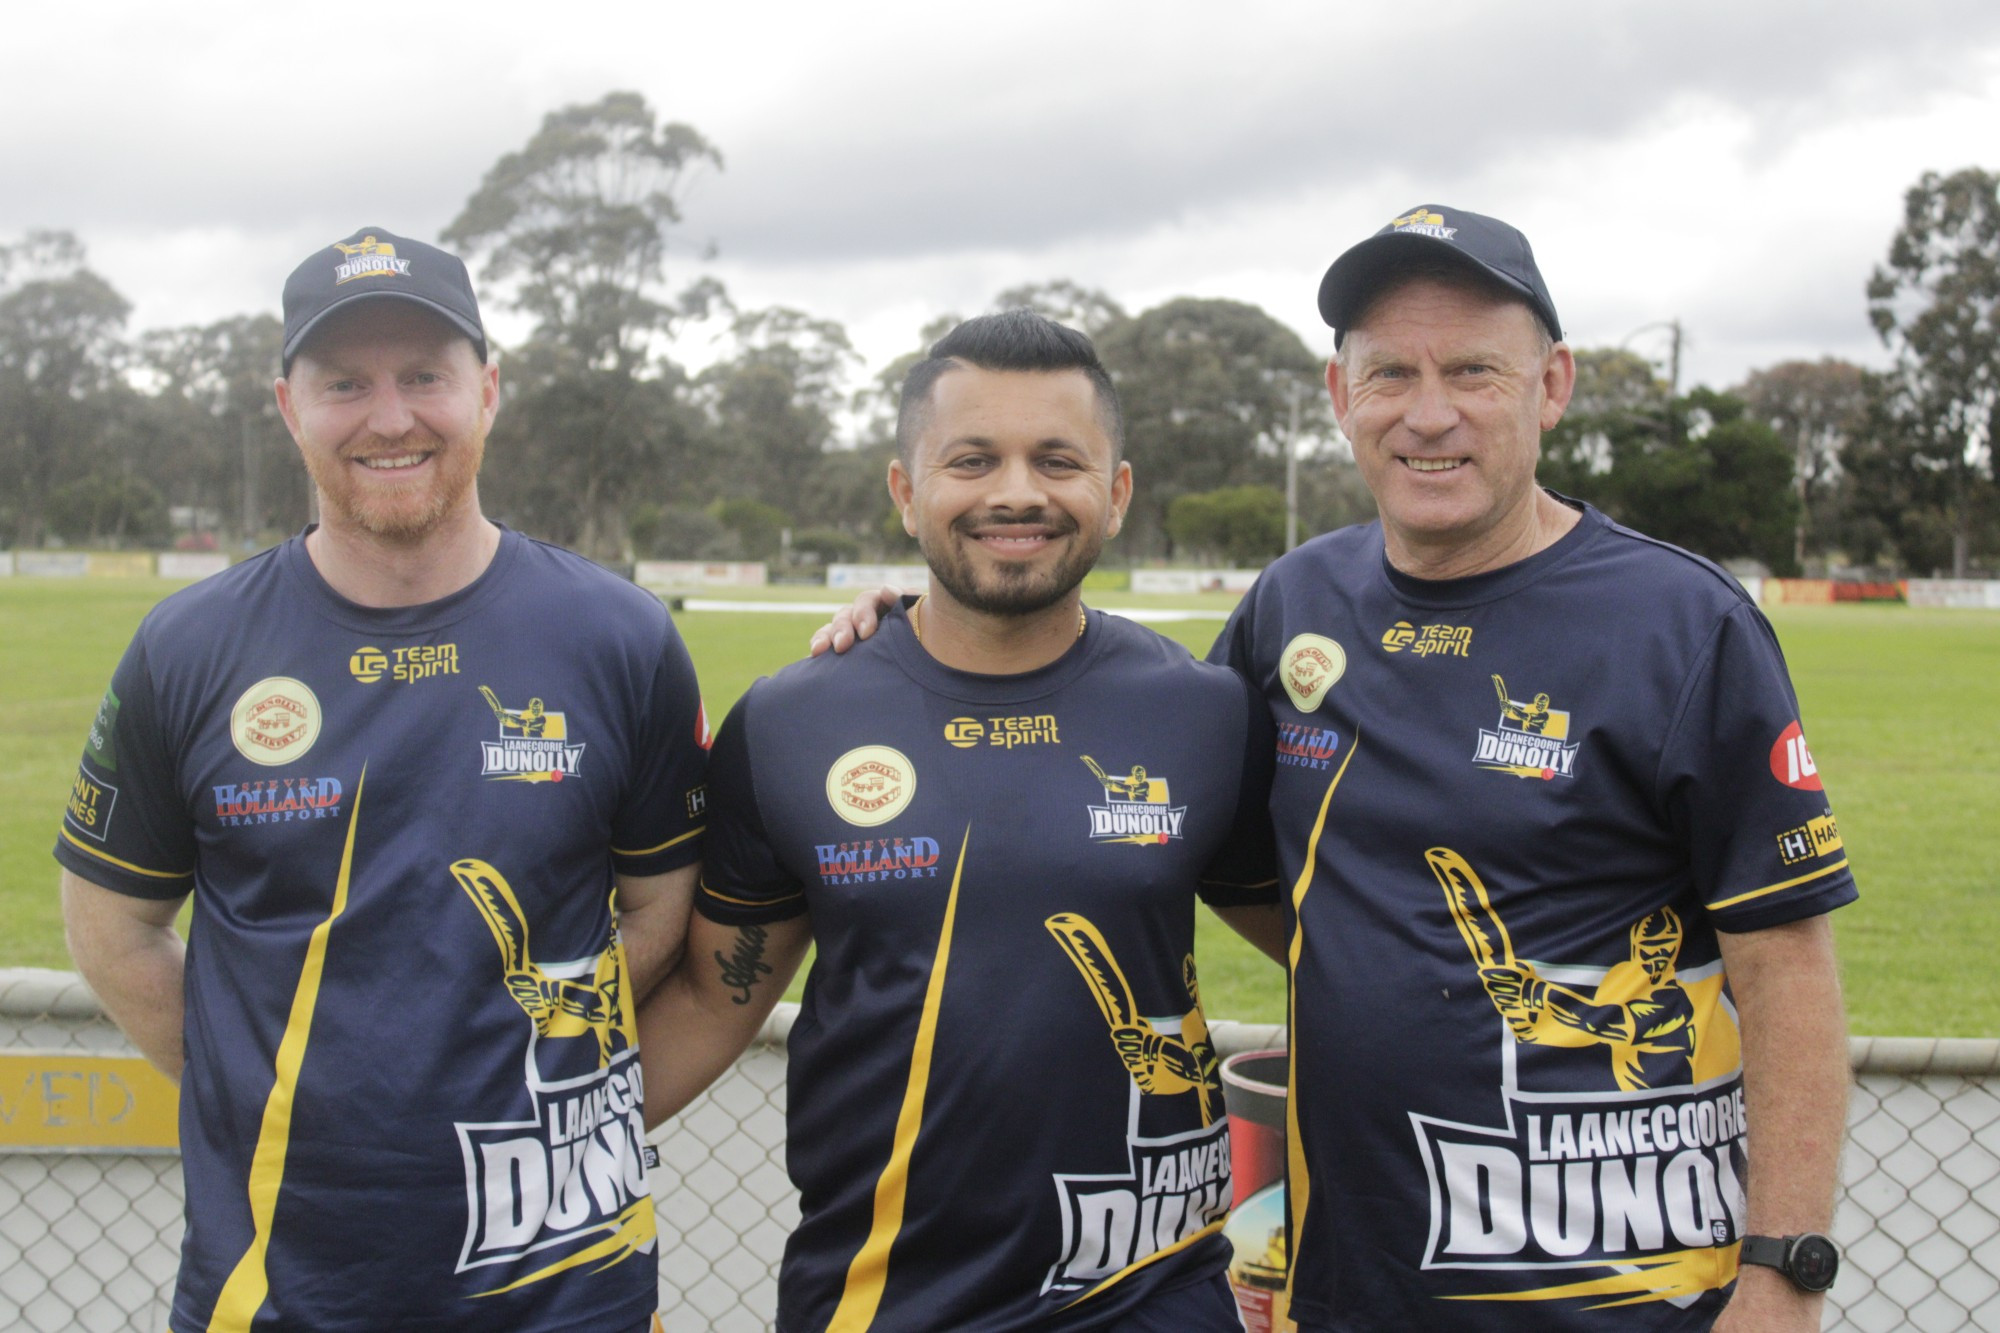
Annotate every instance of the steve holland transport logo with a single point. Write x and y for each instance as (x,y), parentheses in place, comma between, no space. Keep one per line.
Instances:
(534,744)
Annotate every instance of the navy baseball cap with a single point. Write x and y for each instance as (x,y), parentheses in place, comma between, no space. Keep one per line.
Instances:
(375,262)
(1482,244)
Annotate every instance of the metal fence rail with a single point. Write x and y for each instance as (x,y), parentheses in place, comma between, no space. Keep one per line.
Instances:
(89,1241)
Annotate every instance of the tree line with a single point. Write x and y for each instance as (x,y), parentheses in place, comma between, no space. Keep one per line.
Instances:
(608,443)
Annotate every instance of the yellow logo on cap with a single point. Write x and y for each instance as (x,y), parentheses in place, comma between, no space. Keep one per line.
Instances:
(1420,218)
(369,246)
(370,259)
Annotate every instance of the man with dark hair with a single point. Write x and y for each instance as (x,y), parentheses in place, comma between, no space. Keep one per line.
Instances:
(1004,1111)
(435,790)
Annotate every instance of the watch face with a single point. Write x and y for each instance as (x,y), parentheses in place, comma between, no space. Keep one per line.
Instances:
(1814,1261)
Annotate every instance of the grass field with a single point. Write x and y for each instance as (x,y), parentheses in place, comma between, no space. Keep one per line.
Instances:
(1900,704)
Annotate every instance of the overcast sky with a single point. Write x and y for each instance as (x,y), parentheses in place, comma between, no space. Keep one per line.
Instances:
(1739,166)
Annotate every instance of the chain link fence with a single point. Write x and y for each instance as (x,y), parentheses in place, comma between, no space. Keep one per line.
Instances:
(89,1241)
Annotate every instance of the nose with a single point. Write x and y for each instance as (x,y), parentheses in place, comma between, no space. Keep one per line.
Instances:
(388,415)
(1017,486)
(1430,412)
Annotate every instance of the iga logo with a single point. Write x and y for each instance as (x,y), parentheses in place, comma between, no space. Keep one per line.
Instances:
(1792,763)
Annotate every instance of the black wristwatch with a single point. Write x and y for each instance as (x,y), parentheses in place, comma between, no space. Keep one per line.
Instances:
(1811,1260)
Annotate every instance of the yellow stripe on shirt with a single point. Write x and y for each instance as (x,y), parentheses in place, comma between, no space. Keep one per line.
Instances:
(70,838)
(243,1295)
(1841,864)
(1298,1180)
(861,1297)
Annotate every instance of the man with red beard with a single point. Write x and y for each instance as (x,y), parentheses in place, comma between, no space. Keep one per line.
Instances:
(436,792)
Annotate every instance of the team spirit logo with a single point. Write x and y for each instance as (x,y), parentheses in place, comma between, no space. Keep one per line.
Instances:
(1136,809)
(1532,739)
(871,785)
(1423,222)
(873,859)
(1618,1169)
(369,664)
(275,721)
(1792,763)
(1308,667)
(570,1179)
(1301,746)
(1177,1180)
(370,259)
(1810,841)
(1002,732)
(277,800)
(1429,641)
(534,744)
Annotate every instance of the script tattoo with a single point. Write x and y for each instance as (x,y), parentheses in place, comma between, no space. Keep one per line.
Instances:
(745,964)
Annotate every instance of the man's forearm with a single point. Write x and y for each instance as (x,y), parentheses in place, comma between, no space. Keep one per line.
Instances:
(131,956)
(1795,1083)
(709,1008)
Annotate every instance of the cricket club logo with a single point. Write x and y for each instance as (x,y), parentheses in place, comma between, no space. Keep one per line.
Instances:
(1531,739)
(1616,1175)
(571,1177)
(1176,1184)
(533,746)
(369,259)
(1136,808)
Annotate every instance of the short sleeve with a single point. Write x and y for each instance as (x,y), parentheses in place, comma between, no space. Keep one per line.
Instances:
(125,825)
(1740,785)
(660,825)
(1244,871)
(742,882)
(1232,647)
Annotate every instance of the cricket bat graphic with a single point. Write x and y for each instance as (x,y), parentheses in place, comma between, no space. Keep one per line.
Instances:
(1086,948)
(1478,925)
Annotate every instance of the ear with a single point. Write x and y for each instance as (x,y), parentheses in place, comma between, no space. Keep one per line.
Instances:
(282,387)
(489,391)
(1336,386)
(1121,497)
(903,494)
(1558,383)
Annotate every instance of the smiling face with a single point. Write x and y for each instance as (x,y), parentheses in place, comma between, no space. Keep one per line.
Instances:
(1444,389)
(1012,488)
(390,407)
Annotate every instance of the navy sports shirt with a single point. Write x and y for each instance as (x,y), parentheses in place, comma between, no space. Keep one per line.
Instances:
(1520,806)
(412,1095)
(1004,1111)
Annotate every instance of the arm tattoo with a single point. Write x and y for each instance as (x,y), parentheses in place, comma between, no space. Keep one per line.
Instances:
(745,964)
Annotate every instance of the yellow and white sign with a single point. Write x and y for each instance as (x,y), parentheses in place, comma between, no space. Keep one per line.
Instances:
(69,1101)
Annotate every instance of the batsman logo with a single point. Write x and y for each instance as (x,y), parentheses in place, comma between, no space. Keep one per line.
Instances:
(1177,1180)
(370,259)
(1530,741)
(1618,1170)
(573,1175)
(533,746)
(1137,809)
(1423,222)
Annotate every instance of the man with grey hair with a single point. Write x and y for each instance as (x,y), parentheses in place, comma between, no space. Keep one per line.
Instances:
(1558,936)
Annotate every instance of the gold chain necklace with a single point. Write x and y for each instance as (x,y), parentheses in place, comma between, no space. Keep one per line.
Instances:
(917,627)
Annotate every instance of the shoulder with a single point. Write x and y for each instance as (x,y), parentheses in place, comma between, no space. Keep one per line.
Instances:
(193,619)
(1329,556)
(1621,555)
(1152,666)
(584,602)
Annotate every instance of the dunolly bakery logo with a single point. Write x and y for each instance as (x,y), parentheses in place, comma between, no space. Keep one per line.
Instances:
(1309,666)
(275,721)
(870,785)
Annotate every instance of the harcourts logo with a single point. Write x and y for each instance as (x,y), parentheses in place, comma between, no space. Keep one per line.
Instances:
(873,859)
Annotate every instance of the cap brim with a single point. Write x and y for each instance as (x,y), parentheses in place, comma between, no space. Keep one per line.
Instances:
(450,316)
(1359,273)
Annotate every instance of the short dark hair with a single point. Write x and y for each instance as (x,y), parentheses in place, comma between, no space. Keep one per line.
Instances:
(1018,339)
